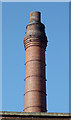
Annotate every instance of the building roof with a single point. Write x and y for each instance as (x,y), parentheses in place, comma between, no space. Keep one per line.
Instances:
(29,114)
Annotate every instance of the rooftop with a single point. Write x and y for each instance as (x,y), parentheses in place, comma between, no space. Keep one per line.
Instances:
(29,114)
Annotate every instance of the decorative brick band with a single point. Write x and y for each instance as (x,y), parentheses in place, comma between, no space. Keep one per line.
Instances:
(35,37)
(34,45)
(34,40)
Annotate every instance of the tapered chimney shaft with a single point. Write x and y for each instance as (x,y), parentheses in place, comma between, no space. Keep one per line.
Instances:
(35,42)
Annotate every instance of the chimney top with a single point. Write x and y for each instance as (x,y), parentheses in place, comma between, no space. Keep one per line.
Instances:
(34,16)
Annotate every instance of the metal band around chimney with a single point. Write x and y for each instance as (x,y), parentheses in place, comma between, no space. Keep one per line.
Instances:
(35,61)
(35,91)
(36,106)
(35,76)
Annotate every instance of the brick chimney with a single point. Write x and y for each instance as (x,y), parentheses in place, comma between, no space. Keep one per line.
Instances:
(35,42)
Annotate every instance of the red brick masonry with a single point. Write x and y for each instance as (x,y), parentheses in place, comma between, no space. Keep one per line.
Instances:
(35,42)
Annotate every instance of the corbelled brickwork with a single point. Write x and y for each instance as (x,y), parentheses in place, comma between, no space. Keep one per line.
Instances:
(35,42)
(34,116)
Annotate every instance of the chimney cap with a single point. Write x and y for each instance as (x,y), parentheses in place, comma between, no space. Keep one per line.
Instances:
(35,16)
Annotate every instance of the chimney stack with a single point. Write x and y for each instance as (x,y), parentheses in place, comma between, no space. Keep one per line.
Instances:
(35,42)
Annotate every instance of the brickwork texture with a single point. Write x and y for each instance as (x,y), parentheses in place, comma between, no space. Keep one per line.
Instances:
(35,42)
